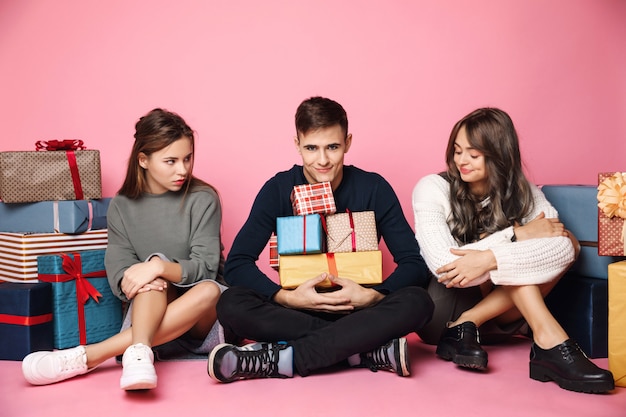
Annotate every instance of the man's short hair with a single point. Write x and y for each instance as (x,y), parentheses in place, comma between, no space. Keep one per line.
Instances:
(318,113)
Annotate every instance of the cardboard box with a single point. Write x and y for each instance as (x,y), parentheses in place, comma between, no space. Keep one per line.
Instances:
(19,251)
(31,176)
(70,216)
(25,319)
(85,310)
(364,268)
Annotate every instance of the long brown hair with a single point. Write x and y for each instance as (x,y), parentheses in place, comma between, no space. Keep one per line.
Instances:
(509,196)
(153,132)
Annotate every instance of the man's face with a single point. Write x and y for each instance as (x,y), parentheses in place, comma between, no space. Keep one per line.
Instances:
(322,153)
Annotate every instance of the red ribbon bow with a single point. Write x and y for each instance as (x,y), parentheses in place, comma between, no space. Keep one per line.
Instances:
(84,288)
(69,146)
(60,145)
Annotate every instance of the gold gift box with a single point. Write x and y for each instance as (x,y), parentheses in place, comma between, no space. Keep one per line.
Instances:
(617,322)
(364,268)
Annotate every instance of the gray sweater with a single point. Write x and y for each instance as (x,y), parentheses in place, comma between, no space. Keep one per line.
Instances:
(187,233)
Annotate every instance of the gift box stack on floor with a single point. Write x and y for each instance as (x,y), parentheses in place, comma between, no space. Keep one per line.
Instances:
(612,242)
(53,235)
(317,239)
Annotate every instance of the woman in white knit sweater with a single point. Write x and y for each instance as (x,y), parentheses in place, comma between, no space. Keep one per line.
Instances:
(496,248)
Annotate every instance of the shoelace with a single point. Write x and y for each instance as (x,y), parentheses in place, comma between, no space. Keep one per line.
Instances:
(259,363)
(569,352)
(72,361)
(378,359)
(137,354)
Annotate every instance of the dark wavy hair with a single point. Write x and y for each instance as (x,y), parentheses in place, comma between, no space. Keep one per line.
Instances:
(509,197)
(153,132)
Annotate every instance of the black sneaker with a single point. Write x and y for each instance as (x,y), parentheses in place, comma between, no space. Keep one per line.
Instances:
(228,363)
(568,366)
(461,345)
(392,356)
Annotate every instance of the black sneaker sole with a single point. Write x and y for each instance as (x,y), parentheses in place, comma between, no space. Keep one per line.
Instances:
(470,362)
(542,374)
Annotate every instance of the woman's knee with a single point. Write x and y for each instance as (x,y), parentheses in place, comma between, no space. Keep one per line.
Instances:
(205,294)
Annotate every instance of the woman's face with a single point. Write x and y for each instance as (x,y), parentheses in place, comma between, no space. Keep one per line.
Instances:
(167,169)
(470,163)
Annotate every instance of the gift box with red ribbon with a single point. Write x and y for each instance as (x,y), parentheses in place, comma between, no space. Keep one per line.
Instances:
(58,170)
(25,319)
(85,310)
(273,249)
(313,199)
(364,268)
(300,235)
(19,251)
(351,232)
(612,214)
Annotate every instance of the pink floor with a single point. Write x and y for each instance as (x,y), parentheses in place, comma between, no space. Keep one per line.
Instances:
(435,388)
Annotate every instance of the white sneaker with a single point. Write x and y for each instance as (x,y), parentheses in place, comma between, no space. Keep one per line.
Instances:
(42,368)
(138,372)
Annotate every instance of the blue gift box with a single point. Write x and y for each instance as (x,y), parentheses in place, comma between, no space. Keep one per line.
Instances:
(25,319)
(85,310)
(70,216)
(300,235)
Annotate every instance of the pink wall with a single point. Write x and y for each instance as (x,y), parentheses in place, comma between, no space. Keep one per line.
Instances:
(236,70)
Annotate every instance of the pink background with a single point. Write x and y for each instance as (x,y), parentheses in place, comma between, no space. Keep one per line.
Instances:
(236,70)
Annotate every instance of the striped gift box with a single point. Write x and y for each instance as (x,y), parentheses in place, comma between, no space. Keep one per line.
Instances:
(19,251)
(313,199)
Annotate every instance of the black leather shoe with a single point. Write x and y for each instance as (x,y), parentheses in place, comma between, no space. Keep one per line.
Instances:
(461,345)
(567,365)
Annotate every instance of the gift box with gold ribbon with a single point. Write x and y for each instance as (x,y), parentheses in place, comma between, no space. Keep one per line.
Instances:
(351,232)
(617,322)
(58,170)
(612,214)
(364,268)
(313,199)
(25,319)
(19,251)
(85,310)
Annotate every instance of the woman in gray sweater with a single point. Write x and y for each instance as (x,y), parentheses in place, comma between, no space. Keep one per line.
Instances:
(164,255)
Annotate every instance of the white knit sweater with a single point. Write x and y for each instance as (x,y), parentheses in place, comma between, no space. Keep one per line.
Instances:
(532,261)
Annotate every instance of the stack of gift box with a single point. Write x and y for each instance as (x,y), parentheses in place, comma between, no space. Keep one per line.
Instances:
(53,235)
(317,239)
(612,242)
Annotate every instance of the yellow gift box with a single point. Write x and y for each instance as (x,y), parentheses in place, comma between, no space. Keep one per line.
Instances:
(364,268)
(617,322)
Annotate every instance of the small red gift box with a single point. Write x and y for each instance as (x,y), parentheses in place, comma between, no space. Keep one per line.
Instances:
(611,214)
(313,199)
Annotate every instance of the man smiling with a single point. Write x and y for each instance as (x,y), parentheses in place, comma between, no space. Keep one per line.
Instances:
(303,330)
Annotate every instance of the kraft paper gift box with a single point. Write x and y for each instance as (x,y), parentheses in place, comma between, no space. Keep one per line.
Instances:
(612,214)
(85,310)
(25,319)
(70,216)
(19,251)
(351,232)
(31,176)
(300,235)
(364,268)
(617,322)
(313,199)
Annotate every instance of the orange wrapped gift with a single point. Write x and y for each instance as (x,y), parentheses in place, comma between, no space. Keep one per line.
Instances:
(617,322)
(364,268)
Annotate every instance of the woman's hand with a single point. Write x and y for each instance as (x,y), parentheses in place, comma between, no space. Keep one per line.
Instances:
(470,269)
(142,277)
(539,227)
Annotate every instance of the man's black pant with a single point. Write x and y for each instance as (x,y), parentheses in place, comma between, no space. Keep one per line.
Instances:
(320,340)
